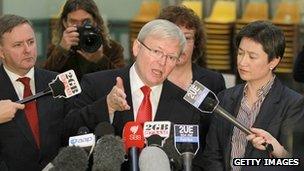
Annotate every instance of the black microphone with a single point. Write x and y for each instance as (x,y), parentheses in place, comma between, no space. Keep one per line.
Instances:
(64,85)
(83,130)
(157,132)
(109,151)
(83,139)
(69,159)
(186,143)
(102,129)
(153,158)
(197,96)
(176,160)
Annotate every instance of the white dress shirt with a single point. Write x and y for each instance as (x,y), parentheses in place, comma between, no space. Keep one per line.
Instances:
(137,95)
(18,86)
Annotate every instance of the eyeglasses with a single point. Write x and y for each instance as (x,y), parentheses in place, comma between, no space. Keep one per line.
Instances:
(159,54)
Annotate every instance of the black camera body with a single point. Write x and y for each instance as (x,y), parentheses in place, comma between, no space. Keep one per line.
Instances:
(90,38)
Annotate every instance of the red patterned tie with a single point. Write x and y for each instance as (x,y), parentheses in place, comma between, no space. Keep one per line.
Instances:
(145,109)
(31,110)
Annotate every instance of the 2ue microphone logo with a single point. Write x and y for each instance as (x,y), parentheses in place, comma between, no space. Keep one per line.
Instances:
(186,133)
(196,94)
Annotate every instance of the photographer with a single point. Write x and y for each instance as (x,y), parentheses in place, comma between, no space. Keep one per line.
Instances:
(76,51)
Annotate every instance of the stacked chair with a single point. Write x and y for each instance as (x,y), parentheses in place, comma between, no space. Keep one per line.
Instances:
(219,31)
(149,10)
(287,17)
(195,5)
(253,11)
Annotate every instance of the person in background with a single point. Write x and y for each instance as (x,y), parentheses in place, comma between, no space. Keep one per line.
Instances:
(262,103)
(8,110)
(63,55)
(30,138)
(298,68)
(186,70)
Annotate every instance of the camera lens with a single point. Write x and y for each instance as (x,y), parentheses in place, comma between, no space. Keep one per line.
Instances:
(89,38)
(90,41)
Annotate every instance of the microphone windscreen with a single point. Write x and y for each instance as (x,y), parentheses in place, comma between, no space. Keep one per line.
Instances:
(133,135)
(108,154)
(83,130)
(71,159)
(153,158)
(104,128)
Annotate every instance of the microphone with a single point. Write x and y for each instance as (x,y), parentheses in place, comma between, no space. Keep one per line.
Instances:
(186,143)
(197,96)
(83,139)
(160,128)
(103,128)
(109,150)
(153,158)
(69,159)
(134,141)
(176,160)
(64,85)
(83,130)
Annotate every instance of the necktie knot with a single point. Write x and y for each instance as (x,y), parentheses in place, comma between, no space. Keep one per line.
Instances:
(24,80)
(146,90)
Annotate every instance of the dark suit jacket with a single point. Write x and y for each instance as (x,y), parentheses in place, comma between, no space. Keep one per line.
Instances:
(215,82)
(17,146)
(92,107)
(279,112)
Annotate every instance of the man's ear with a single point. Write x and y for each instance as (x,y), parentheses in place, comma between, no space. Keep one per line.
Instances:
(135,47)
(182,58)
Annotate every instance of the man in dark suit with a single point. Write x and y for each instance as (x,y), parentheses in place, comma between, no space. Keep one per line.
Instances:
(115,95)
(32,138)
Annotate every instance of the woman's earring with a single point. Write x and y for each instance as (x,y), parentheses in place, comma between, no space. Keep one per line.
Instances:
(271,68)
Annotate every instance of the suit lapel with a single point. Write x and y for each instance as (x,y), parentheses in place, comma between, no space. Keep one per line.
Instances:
(164,108)
(8,92)
(234,104)
(42,106)
(198,75)
(268,110)
(129,116)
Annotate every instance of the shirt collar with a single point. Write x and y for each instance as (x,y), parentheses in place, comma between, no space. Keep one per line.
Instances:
(14,77)
(263,91)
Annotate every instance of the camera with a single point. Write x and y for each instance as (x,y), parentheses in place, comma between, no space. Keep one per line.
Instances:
(90,39)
